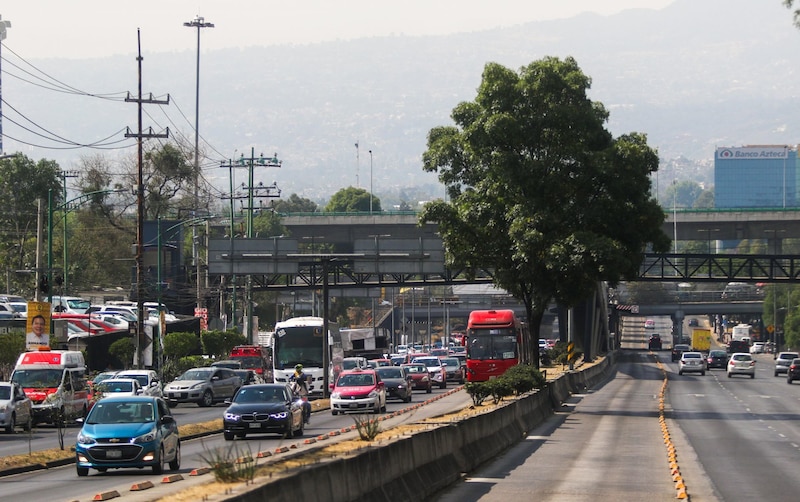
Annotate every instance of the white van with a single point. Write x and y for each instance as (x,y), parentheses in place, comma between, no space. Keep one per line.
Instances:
(55,381)
(69,304)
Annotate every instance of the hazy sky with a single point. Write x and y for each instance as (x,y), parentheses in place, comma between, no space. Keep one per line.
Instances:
(98,28)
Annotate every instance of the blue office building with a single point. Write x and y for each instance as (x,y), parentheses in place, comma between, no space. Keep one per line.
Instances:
(756,177)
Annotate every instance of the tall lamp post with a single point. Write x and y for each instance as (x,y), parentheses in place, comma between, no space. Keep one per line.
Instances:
(198,22)
(65,271)
(66,207)
(4,25)
(161,325)
(370,182)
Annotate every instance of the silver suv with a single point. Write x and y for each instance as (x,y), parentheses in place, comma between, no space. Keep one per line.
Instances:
(783,360)
(204,386)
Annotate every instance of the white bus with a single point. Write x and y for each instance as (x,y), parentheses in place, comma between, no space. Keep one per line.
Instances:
(300,341)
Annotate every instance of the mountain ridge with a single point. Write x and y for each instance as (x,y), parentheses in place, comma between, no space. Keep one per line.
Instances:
(692,76)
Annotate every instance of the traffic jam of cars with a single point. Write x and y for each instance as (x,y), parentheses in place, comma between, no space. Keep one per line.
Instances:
(734,352)
(126,418)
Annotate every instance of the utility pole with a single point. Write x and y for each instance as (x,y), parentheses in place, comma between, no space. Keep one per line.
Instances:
(140,199)
(259,191)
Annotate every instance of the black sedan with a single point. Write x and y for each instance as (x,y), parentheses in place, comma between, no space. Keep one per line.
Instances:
(794,371)
(397,381)
(679,349)
(263,408)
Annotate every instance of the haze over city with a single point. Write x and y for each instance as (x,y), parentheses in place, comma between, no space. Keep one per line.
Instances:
(311,84)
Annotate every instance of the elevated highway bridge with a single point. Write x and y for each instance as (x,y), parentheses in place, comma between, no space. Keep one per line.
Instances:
(323,252)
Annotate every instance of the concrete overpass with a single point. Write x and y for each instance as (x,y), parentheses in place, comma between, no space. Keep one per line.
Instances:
(708,225)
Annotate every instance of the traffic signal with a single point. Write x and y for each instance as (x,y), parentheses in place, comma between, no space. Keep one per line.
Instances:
(44,285)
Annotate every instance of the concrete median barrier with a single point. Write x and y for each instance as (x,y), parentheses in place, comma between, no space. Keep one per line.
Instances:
(414,467)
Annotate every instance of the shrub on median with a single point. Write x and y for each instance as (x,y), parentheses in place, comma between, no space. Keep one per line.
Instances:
(517,380)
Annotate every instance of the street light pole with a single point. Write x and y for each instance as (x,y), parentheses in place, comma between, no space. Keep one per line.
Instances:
(65,273)
(66,206)
(370,182)
(198,22)
(4,25)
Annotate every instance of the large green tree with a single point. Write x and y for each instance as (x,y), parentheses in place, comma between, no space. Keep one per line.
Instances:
(23,183)
(352,200)
(540,194)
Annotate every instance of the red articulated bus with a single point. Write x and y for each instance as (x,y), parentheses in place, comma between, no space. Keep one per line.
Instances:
(493,339)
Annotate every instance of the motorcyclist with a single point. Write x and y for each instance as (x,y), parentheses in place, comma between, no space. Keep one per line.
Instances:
(300,388)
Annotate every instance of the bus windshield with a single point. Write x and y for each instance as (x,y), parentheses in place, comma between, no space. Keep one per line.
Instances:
(492,344)
(298,345)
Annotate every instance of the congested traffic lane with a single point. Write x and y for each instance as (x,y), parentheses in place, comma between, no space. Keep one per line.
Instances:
(45,436)
(63,484)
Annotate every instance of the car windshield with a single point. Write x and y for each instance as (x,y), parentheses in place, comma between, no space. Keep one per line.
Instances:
(120,412)
(5,392)
(741,357)
(389,372)
(104,376)
(201,374)
(356,380)
(787,356)
(350,364)
(717,353)
(142,379)
(234,365)
(115,386)
(417,369)
(253,394)
(452,362)
(428,361)
(692,355)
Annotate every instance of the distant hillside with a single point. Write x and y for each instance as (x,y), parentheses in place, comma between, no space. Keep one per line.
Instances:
(693,76)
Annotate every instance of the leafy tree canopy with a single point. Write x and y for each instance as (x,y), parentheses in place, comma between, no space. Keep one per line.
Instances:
(295,204)
(541,195)
(352,200)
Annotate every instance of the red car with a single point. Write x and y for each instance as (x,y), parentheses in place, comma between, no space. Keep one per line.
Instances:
(420,376)
(358,390)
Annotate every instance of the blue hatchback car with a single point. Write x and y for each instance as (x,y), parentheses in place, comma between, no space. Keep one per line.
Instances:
(128,431)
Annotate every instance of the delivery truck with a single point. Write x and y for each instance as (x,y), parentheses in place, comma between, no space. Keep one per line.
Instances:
(701,339)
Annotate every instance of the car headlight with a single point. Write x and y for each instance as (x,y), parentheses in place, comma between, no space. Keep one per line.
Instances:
(84,439)
(147,437)
(336,395)
(281,415)
(374,393)
(198,385)
(425,378)
(232,417)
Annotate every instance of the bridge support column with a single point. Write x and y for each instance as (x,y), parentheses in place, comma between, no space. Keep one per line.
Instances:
(677,326)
